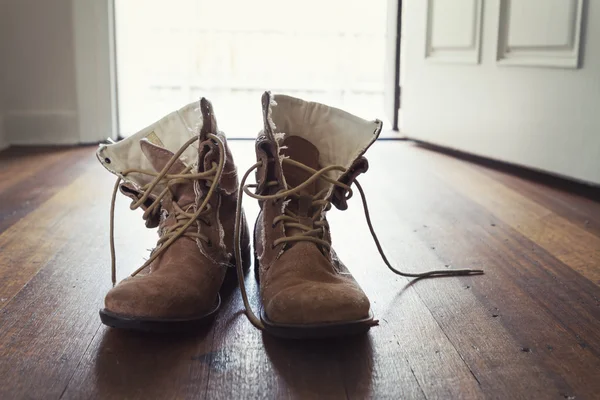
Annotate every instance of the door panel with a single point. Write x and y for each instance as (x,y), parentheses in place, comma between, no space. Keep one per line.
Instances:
(532,99)
(453,30)
(553,27)
(540,32)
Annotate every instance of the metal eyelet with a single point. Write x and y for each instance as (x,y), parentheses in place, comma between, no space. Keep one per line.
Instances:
(107,160)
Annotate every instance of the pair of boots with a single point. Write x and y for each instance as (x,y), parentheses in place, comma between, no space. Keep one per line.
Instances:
(180,171)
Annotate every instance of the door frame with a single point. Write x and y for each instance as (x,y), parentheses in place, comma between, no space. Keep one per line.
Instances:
(397,87)
(95,70)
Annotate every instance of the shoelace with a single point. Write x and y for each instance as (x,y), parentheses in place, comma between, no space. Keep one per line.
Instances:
(311,234)
(184,218)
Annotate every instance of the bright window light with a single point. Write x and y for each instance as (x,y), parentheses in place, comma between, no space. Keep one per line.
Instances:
(172,53)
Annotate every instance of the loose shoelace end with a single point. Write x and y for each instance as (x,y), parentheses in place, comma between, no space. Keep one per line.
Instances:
(464,272)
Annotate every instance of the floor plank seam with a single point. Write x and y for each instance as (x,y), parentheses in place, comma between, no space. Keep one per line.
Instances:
(447,337)
(34,299)
(552,313)
(46,264)
(339,359)
(210,361)
(457,352)
(80,167)
(346,390)
(412,371)
(79,362)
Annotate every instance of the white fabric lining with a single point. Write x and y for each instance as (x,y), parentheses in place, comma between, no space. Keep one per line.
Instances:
(172,130)
(339,136)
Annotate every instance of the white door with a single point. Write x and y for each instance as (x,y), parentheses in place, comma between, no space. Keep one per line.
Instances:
(513,80)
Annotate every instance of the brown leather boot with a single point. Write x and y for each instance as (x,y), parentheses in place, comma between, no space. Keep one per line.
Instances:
(308,156)
(181,172)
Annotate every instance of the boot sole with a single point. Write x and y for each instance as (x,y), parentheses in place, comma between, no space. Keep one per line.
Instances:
(159,325)
(176,325)
(318,331)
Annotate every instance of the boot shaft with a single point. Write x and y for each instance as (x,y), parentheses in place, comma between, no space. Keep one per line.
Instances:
(340,138)
(160,148)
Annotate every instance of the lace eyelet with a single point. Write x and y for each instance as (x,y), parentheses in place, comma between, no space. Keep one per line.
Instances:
(273,246)
(209,243)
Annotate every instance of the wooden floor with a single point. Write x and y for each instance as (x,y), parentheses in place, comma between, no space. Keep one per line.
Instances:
(528,328)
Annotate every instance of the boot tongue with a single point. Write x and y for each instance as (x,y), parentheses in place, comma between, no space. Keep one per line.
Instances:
(159,157)
(302,151)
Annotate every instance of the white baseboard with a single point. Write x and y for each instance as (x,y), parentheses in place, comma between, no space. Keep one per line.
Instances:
(58,127)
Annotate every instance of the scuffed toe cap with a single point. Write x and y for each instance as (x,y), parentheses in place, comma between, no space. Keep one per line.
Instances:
(316,302)
(148,297)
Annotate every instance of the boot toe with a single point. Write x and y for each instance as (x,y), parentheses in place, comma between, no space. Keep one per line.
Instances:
(318,303)
(145,297)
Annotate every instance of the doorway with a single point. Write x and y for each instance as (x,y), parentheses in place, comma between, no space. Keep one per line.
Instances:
(170,54)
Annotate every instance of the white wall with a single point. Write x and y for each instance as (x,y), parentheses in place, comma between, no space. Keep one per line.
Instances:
(57,79)
(545,118)
(39,89)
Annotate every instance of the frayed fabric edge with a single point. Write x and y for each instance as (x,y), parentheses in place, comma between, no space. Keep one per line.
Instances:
(278,136)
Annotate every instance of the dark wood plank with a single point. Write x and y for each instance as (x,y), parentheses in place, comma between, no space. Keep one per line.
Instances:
(580,211)
(547,309)
(409,342)
(17,164)
(121,365)
(39,178)
(569,242)
(27,245)
(528,328)
(47,326)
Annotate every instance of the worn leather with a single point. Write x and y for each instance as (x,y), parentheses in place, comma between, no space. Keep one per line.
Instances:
(339,197)
(185,280)
(299,283)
